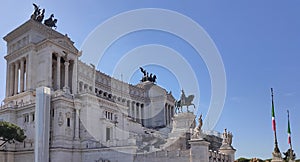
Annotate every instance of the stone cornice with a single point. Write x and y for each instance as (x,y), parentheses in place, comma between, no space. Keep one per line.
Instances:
(49,42)
(19,52)
(66,44)
(60,40)
(32,25)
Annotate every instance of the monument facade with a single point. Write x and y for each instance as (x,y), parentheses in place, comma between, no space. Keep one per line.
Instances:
(70,111)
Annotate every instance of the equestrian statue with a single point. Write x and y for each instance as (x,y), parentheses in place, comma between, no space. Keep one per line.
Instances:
(184,101)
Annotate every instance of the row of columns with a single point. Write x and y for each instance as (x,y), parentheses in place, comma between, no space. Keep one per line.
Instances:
(136,111)
(169,113)
(17,77)
(66,87)
(83,87)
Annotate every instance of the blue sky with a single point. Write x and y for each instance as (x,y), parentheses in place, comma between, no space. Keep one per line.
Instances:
(259,42)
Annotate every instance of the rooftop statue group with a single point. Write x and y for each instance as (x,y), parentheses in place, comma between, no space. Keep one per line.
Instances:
(147,77)
(38,15)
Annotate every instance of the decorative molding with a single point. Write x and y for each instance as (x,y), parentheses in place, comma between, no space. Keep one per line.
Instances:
(17,53)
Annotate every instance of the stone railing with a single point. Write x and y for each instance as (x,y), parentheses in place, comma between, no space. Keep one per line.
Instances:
(163,155)
(114,143)
(215,156)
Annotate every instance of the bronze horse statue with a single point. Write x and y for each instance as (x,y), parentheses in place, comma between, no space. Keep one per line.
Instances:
(50,22)
(184,101)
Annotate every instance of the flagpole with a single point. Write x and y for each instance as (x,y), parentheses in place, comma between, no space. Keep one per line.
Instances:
(276,149)
(289,137)
(289,129)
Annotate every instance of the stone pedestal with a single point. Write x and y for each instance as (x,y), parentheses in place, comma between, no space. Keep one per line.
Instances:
(228,150)
(42,124)
(276,157)
(199,150)
(182,123)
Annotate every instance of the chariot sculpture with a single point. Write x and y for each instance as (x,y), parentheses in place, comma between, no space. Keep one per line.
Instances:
(38,15)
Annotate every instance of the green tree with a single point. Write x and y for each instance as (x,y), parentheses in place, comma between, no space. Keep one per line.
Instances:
(10,133)
(241,159)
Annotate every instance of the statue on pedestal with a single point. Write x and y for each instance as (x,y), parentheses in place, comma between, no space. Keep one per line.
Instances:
(198,131)
(227,138)
(289,155)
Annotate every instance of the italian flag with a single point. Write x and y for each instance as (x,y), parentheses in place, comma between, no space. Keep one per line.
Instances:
(273,113)
(289,132)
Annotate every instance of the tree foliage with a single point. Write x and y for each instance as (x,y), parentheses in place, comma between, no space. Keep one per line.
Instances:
(10,133)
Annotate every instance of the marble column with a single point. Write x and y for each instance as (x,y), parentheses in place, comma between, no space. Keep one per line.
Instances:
(74,77)
(77,109)
(129,109)
(167,111)
(22,75)
(140,114)
(133,110)
(169,114)
(66,87)
(11,79)
(136,112)
(16,78)
(7,80)
(58,72)
(27,72)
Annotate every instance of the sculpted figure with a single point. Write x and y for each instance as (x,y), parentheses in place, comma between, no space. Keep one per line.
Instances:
(197,131)
(146,77)
(186,101)
(200,122)
(50,21)
(36,11)
(40,17)
(227,137)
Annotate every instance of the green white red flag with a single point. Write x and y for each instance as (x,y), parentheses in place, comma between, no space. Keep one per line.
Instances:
(273,113)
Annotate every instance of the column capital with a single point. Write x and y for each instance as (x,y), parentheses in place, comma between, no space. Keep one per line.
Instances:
(77,109)
(58,54)
(22,58)
(67,63)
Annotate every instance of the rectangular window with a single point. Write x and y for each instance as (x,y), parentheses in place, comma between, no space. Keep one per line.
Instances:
(68,122)
(108,133)
(52,112)
(26,118)
(108,115)
(32,117)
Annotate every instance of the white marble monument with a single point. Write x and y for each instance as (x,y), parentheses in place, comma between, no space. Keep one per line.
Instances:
(70,111)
